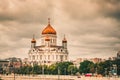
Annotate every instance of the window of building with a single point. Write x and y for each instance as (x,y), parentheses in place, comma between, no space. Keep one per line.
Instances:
(56,57)
(45,57)
(61,57)
(53,40)
(48,57)
(33,57)
(37,56)
(42,40)
(53,57)
(40,57)
(50,40)
(30,57)
(66,57)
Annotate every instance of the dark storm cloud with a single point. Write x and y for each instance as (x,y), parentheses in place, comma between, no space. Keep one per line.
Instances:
(110,8)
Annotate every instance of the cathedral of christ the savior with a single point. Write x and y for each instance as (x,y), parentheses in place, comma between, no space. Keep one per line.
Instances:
(48,52)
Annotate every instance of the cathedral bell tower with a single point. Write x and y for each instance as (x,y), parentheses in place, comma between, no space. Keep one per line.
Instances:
(64,43)
(33,42)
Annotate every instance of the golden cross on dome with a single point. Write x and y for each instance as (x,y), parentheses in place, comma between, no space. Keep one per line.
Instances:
(33,36)
(64,37)
(48,20)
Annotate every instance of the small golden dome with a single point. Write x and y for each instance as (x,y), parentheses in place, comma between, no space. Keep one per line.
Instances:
(33,40)
(64,40)
(49,29)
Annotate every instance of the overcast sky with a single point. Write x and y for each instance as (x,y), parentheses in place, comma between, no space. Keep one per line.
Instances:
(92,27)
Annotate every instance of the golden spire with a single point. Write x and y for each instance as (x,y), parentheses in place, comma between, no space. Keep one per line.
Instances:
(48,20)
(33,36)
(49,29)
(64,39)
(33,40)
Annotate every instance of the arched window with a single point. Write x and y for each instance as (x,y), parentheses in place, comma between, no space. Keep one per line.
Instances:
(65,57)
(61,50)
(33,57)
(48,57)
(56,57)
(40,57)
(30,57)
(44,57)
(53,40)
(37,56)
(50,40)
(53,57)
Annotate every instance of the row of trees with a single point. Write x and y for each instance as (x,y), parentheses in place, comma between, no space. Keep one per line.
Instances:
(107,67)
(62,68)
(67,68)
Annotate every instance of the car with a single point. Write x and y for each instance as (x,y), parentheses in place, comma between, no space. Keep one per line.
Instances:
(88,75)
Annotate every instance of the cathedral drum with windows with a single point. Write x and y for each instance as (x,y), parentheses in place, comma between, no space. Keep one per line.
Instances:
(48,52)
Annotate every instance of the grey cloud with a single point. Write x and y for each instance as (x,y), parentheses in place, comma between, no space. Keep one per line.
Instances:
(91,9)
(25,11)
(109,8)
(81,9)
(90,33)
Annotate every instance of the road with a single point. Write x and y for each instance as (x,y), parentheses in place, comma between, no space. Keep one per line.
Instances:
(53,77)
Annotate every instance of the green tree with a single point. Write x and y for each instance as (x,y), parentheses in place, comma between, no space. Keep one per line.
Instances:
(101,68)
(24,70)
(46,69)
(105,67)
(117,62)
(92,68)
(37,69)
(85,66)
(53,69)
(63,66)
(72,69)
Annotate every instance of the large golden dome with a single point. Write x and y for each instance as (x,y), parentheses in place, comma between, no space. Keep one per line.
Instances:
(49,29)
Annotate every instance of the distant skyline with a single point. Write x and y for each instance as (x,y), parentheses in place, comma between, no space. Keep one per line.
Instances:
(92,27)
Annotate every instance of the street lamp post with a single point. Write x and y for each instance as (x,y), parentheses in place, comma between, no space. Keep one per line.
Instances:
(71,71)
(96,70)
(43,66)
(58,73)
(43,69)
(114,70)
(106,72)
(110,72)
(65,71)
(14,71)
